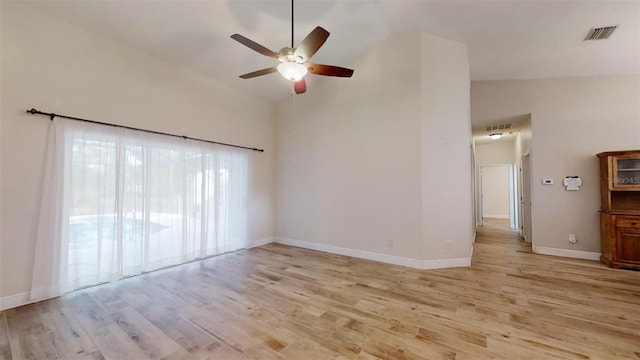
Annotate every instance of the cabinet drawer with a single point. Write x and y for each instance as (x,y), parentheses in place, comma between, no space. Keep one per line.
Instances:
(628,222)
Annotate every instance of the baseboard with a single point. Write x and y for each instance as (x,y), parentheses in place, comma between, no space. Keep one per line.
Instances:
(12,301)
(446,263)
(495,216)
(261,242)
(577,254)
(388,259)
(449,263)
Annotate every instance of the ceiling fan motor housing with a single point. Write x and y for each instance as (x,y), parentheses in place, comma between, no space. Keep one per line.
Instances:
(287,54)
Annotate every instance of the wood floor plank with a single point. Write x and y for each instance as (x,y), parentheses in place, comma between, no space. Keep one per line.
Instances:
(71,339)
(220,327)
(151,340)
(114,343)
(89,312)
(5,348)
(182,331)
(282,302)
(28,337)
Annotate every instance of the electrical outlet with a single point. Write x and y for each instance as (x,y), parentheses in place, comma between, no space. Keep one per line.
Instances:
(572,238)
(390,242)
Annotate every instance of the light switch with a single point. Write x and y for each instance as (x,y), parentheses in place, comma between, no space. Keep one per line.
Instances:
(547,181)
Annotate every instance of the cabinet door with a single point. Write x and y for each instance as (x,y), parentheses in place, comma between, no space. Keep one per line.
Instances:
(626,172)
(628,244)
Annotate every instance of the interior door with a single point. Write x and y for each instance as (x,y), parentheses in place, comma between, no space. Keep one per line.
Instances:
(495,191)
(526,198)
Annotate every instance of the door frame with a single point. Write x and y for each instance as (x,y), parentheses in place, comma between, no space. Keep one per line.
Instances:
(525,198)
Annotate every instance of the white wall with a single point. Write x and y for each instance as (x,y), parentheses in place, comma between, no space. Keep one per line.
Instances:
(348,156)
(366,161)
(523,141)
(502,152)
(494,181)
(447,190)
(572,120)
(57,67)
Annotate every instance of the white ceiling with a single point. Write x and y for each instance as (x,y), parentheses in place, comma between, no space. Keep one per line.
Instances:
(506,39)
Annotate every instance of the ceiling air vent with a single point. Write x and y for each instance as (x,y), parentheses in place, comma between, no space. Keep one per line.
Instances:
(495,127)
(600,33)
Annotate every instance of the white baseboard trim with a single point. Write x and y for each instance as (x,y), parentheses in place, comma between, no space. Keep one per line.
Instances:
(446,263)
(261,242)
(577,254)
(389,259)
(385,258)
(12,301)
(492,216)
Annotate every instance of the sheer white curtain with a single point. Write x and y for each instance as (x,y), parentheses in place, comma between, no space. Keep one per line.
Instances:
(120,202)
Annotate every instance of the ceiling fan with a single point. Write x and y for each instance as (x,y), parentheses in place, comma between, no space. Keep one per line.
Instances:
(294,63)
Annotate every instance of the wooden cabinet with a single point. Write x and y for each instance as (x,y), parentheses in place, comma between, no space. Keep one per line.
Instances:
(620,211)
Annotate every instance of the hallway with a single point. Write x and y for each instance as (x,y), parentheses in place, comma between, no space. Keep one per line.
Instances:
(496,232)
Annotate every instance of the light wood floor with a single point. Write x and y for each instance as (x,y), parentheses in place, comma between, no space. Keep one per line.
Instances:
(281,302)
(497,232)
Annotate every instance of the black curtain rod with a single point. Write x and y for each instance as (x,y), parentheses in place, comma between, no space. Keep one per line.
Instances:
(52,116)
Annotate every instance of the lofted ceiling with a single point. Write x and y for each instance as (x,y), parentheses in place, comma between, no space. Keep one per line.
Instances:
(506,39)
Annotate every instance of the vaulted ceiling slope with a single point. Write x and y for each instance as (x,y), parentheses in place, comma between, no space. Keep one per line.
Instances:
(506,39)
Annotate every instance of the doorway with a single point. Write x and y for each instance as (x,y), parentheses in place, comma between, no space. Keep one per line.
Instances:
(498,199)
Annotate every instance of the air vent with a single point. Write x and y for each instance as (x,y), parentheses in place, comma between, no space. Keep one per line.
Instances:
(495,127)
(600,33)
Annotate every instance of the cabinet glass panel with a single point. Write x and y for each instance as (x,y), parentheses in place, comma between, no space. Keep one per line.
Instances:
(628,172)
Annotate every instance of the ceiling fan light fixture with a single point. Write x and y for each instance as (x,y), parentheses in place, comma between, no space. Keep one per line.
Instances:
(292,71)
(495,136)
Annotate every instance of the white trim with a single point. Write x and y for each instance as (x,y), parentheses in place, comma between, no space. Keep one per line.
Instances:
(493,216)
(21,299)
(260,242)
(389,259)
(12,301)
(587,255)
(446,263)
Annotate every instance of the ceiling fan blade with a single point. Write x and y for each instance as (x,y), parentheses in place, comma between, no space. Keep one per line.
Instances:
(312,43)
(259,73)
(300,86)
(329,70)
(254,46)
